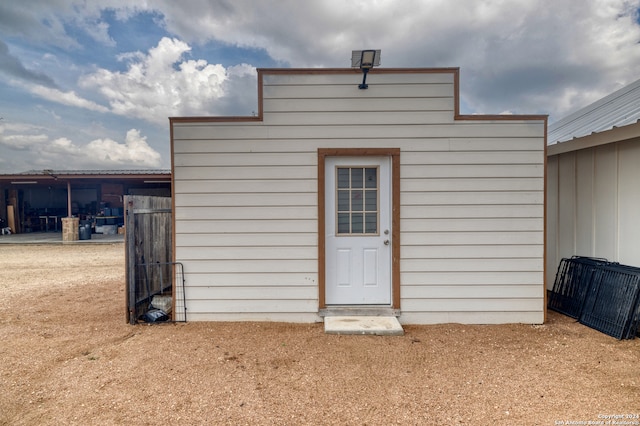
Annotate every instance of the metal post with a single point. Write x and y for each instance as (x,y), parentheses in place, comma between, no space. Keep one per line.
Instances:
(68,198)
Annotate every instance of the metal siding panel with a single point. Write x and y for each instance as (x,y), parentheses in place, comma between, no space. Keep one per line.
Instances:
(553,258)
(629,200)
(566,206)
(584,203)
(606,202)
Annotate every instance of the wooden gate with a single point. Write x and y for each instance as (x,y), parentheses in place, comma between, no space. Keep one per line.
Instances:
(149,259)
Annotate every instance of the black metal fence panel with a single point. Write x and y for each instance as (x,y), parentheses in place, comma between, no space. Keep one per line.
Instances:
(571,284)
(611,302)
(600,294)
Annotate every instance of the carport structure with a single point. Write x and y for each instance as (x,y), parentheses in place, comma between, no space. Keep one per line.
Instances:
(35,201)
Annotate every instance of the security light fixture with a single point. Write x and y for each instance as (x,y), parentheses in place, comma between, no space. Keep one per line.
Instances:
(365,60)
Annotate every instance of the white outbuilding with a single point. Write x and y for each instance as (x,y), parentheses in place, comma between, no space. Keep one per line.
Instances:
(593,191)
(384,200)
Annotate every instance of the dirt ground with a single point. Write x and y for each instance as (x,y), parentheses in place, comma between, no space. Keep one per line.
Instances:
(68,357)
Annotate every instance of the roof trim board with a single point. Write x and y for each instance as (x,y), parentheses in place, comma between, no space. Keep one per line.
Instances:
(616,134)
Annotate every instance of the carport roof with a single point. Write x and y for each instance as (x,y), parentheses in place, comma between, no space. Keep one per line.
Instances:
(88,174)
(619,109)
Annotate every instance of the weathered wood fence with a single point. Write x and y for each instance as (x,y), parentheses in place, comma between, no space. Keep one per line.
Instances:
(150,270)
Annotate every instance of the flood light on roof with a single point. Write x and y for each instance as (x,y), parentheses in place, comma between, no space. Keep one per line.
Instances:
(365,60)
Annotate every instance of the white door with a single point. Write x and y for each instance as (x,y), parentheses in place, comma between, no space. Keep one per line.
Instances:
(358,230)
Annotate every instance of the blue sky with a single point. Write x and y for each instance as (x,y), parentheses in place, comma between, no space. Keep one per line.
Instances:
(90,85)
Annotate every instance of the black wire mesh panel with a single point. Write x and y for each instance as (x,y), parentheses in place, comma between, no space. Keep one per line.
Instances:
(572,282)
(611,302)
(157,279)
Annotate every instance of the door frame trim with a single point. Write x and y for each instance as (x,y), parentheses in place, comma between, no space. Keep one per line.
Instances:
(394,154)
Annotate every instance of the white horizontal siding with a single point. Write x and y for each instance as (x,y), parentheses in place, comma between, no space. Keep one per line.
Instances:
(496,292)
(473,171)
(473,198)
(470,278)
(359,104)
(472,201)
(348,79)
(238,239)
(467,212)
(255,227)
(251,267)
(421,144)
(251,186)
(347,118)
(242,172)
(476,225)
(476,185)
(337,92)
(497,237)
(472,251)
(472,304)
(246,159)
(255,292)
(504,265)
(246,213)
(474,317)
(256,199)
(257,131)
(278,279)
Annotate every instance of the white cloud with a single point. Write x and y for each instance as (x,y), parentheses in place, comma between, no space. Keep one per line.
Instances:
(162,83)
(135,151)
(519,55)
(66,98)
(40,151)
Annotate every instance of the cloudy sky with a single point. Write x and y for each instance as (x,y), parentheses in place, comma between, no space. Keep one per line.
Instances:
(91,84)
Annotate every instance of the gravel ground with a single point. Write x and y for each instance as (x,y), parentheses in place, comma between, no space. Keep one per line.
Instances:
(67,356)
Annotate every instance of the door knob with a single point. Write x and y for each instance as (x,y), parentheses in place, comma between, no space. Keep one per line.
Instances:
(386,242)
